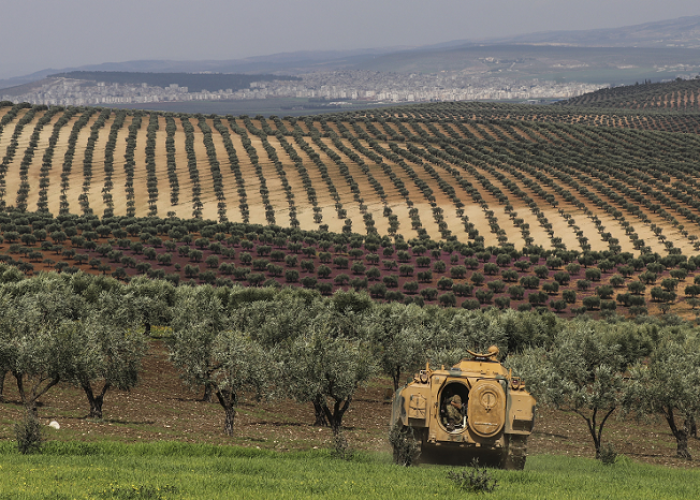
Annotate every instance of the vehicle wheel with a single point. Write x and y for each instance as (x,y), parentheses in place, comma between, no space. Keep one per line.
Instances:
(514,458)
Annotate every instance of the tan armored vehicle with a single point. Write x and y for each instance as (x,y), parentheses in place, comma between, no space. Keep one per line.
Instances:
(476,409)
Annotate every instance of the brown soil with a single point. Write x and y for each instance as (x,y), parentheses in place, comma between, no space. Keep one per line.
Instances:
(370,196)
(304,213)
(162,408)
(304,209)
(324,198)
(341,185)
(252,183)
(76,177)
(34,168)
(98,172)
(276,194)
(8,130)
(12,176)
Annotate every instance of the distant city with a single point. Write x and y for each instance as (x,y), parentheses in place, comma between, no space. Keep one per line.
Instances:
(334,87)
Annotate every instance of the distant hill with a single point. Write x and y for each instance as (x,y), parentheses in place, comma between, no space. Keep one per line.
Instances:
(605,65)
(193,81)
(680,32)
(682,95)
(285,62)
(657,50)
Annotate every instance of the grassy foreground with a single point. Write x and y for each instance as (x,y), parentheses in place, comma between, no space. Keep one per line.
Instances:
(169,470)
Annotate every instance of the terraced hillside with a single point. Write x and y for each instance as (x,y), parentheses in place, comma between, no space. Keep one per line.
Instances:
(648,119)
(682,95)
(517,178)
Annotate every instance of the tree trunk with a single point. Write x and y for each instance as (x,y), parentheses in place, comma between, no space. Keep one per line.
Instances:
(228,421)
(29,400)
(227,399)
(693,427)
(396,379)
(335,418)
(2,386)
(208,396)
(96,402)
(595,428)
(682,440)
(321,420)
(681,434)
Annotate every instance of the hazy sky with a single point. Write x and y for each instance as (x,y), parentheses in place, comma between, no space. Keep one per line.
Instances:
(40,34)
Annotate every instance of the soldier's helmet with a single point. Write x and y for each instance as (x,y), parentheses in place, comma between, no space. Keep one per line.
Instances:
(493,351)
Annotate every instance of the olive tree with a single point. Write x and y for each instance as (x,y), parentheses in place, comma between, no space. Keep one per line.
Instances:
(240,364)
(105,349)
(155,301)
(668,383)
(328,362)
(210,354)
(395,331)
(30,348)
(277,322)
(581,373)
(447,337)
(190,351)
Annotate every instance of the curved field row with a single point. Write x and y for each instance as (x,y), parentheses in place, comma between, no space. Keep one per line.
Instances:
(679,95)
(509,181)
(646,119)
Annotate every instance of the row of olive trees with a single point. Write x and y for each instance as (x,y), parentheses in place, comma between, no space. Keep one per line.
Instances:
(270,344)
(49,335)
(89,331)
(594,369)
(298,345)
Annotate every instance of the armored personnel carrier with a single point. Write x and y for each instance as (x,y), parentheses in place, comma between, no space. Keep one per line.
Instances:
(476,409)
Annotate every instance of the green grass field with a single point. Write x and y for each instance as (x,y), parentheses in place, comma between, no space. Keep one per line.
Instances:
(174,470)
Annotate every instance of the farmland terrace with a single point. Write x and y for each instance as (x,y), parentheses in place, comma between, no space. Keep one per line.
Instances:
(517,206)
(488,173)
(681,95)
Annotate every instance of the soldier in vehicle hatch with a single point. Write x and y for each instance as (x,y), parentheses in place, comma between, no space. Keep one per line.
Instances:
(453,411)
